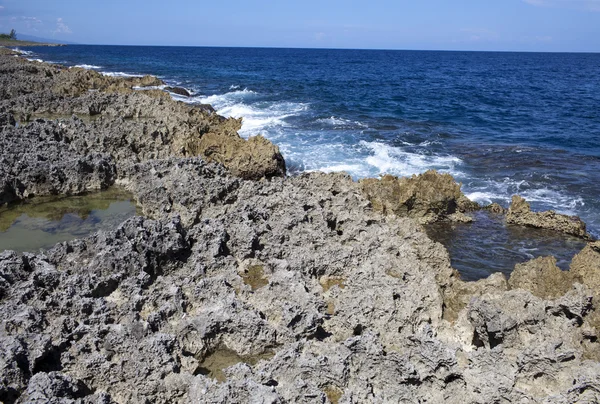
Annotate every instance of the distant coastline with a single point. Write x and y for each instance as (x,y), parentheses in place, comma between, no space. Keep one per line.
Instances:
(16,42)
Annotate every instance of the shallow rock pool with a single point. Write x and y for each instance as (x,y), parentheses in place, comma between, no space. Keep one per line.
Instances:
(488,245)
(41,222)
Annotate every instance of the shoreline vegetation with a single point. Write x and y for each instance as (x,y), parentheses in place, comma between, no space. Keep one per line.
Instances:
(239,282)
(11,39)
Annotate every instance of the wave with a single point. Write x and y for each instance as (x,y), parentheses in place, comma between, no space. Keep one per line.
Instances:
(321,152)
(341,123)
(349,168)
(258,117)
(397,161)
(306,153)
(222,100)
(22,52)
(121,74)
(162,87)
(89,67)
(541,197)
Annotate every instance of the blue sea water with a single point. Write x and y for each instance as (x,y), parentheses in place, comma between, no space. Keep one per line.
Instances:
(501,123)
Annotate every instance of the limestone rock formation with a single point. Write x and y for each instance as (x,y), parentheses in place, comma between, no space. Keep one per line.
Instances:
(541,277)
(496,208)
(288,289)
(40,161)
(426,197)
(68,131)
(520,213)
(178,90)
(586,265)
(250,159)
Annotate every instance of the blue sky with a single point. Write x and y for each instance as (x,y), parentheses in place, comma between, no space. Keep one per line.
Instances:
(530,25)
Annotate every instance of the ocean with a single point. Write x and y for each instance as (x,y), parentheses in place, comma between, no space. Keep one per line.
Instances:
(501,123)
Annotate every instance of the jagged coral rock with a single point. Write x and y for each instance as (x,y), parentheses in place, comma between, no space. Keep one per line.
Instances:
(51,152)
(427,197)
(520,213)
(541,277)
(250,159)
(291,289)
(586,265)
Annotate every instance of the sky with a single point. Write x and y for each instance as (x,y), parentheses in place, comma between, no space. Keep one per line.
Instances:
(496,25)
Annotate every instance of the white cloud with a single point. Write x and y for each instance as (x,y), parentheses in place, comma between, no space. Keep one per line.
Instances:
(1,7)
(31,22)
(61,27)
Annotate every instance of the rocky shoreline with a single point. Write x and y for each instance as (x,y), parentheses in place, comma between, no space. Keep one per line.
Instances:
(19,43)
(240,284)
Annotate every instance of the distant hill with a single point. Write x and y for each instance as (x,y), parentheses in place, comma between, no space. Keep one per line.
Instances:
(32,38)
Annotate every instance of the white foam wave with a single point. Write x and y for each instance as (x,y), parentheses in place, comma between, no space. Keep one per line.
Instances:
(541,197)
(22,52)
(89,67)
(395,160)
(349,168)
(161,87)
(121,74)
(315,152)
(35,60)
(222,100)
(258,117)
(482,197)
(341,122)
(555,199)
(257,120)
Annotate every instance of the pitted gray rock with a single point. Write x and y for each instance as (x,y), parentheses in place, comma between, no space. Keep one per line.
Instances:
(280,290)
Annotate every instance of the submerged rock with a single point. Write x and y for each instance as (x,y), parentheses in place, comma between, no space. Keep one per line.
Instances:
(520,213)
(496,209)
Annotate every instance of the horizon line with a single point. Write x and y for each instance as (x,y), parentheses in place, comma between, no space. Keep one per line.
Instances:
(327,48)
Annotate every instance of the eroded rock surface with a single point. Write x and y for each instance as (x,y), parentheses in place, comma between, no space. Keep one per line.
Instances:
(541,277)
(427,197)
(41,160)
(520,213)
(113,119)
(134,314)
(281,290)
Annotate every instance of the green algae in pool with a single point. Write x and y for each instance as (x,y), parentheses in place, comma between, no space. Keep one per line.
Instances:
(25,119)
(488,245)
(41,222)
